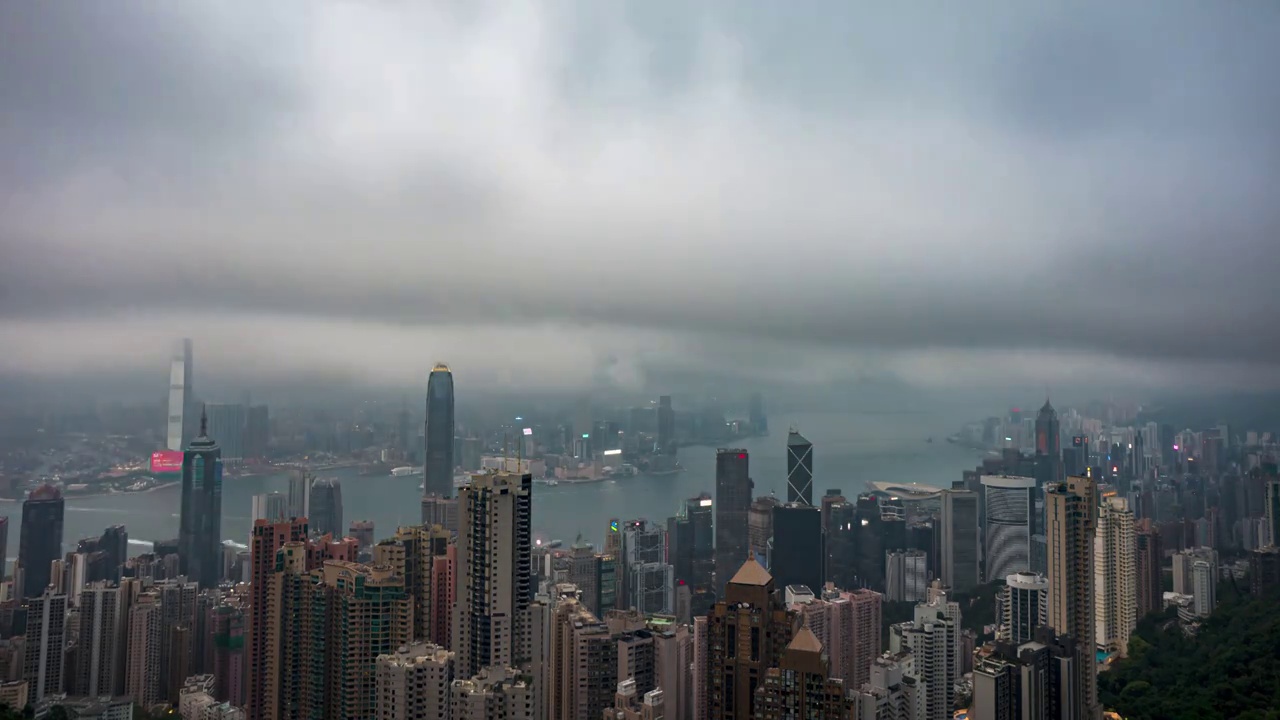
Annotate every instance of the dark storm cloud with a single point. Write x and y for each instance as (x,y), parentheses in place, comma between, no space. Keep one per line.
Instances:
(1098,179)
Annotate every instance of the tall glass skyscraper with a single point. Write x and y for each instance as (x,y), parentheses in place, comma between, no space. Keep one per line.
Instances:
(180,428)
(40,541)
(200,525)
(733,499)
(437,471)
(326,507)
(799,469)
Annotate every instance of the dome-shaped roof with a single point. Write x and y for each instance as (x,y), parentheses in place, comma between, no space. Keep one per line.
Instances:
(45,492)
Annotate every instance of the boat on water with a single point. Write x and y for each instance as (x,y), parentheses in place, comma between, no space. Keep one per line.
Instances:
(405,471)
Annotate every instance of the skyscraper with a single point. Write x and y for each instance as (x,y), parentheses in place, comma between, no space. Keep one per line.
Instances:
(412,553)
(801,686)
(200,525)
(257,432)
(1048,446)
(906,575)
(959,539)
(326,507)
(227,423)
(267,538)
(1024,606)
(181,423)
(414,682)
(46,641)
(1148,561)
(666,426)
(103,625)
(273,507)
(1010,523)
(750,616)
(733,498)
(1071,518)
(799,546)
(299,495)
(40,542)
(493,571)
(1115,575)
(438,469)
(799,469)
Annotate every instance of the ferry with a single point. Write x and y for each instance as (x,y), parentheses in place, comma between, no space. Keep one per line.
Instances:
(405,471)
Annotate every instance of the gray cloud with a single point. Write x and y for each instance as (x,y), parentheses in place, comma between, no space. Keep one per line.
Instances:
(886,187)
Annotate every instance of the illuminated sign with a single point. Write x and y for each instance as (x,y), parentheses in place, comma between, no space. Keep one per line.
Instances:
(613,525)
(166,461)
(1079,440)
(586,435)
(528,432)
(705,502)
(612,452)
(742,456)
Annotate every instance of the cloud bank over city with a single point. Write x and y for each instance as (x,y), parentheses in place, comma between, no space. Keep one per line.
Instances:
(544,191)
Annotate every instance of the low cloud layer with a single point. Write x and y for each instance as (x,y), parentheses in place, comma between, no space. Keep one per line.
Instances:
(952,195)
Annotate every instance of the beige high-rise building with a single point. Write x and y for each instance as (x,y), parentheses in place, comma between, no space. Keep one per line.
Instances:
(412,553)
(493,572)
(414,683)
(496,693)
(673,654)
(325,630)
(142,671)
(1071,519)
(584,663)
(1115,577)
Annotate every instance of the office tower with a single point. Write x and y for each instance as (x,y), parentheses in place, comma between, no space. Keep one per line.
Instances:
(1071,518)
(666,427)
(891,693)
(1023,605)
(799,469)
(1195,573)
(1048,456)
(437,470)
(760,526)
(441,511)
(40,541)
(114,544)
(801,685)
(230,626)
(1264,571)
(733,498)
(1148,561)
(142,669)
(300,482)
(493,575)
(906,575)
(4,546)
(272,507)
(648,582)
(181,425)
(414,682)
(46,639)
(227,424)
(585,573)
(412,552)
(933,638)
(691,543)
(1010,522)
(102,631)
(266,540)
(497,693)
(326,507)
(751,619)
(867,540)
(799,546)
(635,654)
(362,531)
(326,629)
(1115,581)
(959,539)
(755,415)
(257,432)
(200,525)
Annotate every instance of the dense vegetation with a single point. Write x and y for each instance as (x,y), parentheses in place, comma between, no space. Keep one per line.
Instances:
(1231,669)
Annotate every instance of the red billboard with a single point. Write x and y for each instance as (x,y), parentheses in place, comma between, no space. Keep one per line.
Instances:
(166,461)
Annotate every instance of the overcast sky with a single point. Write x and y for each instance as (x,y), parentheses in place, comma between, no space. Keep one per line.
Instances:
(957,193)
